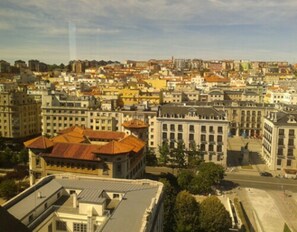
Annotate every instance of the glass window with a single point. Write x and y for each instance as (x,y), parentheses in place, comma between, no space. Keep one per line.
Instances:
(60,225)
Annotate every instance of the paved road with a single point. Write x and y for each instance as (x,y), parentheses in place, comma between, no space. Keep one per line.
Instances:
(260,182)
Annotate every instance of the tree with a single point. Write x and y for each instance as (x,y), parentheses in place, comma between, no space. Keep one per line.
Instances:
(213,172)
(164,153)
(186,213)
(8,189)
(194,155)
(200,185)
(151,159)
(23,156)
(184,179)
(169,193)
(213,216)
(179,154)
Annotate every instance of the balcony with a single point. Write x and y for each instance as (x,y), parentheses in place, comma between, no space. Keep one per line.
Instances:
(281,136)
(291,157)
(291,136)
(203,142)
(280,145)
(212,142)
(291,146)
(220,143)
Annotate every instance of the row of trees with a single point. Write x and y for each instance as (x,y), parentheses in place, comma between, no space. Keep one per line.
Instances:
(181,211)
(178,156)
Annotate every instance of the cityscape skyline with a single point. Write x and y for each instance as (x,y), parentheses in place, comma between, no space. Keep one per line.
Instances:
(142,30)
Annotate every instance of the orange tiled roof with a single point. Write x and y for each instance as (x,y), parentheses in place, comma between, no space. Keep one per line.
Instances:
(216,79)
(40,142)
(70,137)
(73,128)
(104,135)
(135,123)
(74,151)
(131,140)
(114,148)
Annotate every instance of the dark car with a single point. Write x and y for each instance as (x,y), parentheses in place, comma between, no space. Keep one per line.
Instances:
(265,174)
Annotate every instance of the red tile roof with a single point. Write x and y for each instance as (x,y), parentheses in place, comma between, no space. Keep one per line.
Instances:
(135,124)
(131,140)
(74,151)
(40,142)
(104,135)
(114,148)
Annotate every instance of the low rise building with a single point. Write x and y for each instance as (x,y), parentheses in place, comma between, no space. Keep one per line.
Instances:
(87,152)
(79,203)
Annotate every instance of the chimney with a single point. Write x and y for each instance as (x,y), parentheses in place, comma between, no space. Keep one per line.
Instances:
(75,202)
(39,195)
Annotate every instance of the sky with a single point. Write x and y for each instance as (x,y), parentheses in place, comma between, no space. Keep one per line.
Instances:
(58,31)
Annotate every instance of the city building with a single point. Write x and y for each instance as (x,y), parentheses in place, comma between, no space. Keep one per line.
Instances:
(86,152)
(60,111)
(279,141)
(203,125)
(80,204)
(19,112)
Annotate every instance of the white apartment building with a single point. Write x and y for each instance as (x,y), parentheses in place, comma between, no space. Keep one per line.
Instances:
(80,204)
(279,140)
(205,126)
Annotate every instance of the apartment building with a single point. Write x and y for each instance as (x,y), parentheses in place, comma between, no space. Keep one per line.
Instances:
(60,111)
(78,203)
(205,126)
(245,117)
(19,112)
(279,140)
(86,152)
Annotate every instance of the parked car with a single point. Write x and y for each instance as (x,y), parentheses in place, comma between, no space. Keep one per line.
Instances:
(265,174)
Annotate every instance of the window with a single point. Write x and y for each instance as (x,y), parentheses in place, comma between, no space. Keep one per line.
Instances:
(50,228)
(219,148)
(281,131)
(220,129)
(203,129)
(289,163)
(172,136)
(211,129)
(191,137)
(211,138)
(164,126)
(210,147)
(60,225)
(164,136)
(172,127)
(220,138)
(79,227)
(203,138)
(180,127)
(291,132)
(119,167)
(30,218)
(192,128)
(279,162)
(180,136)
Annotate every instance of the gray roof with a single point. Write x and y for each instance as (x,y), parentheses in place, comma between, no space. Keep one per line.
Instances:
(26,205)
(182,110)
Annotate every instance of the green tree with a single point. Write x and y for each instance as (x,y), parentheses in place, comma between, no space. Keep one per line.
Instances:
(184,179)
(186,213)
(151,158)
(200,185)
(169,193)
(213,172)
(23,156)
(8,189)
(194,155)
(164,153)
(179,154)
(213,216)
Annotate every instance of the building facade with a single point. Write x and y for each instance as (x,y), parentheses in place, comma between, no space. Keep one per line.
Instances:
(204,126)
(279,140)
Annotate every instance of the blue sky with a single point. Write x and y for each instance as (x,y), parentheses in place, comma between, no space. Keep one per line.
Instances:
(58,31)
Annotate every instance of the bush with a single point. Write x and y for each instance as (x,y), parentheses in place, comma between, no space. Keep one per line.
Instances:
(8,189)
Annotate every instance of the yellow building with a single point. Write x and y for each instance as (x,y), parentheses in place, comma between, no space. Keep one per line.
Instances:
(19,114)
